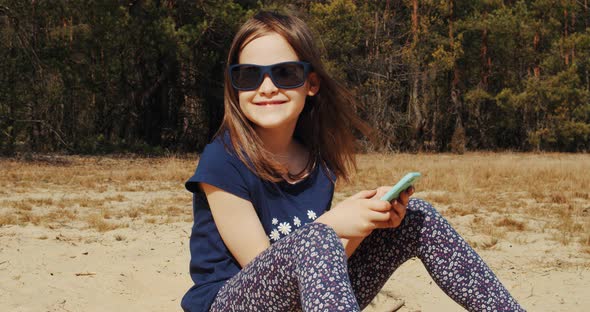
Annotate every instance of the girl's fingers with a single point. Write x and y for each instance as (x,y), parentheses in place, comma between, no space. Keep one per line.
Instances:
(382,190)
(364,194)
(404,197)
(395,216)
(377,217)
(383,224)
(379,205)
(399,209)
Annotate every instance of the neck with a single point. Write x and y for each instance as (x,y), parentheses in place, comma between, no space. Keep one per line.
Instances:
(285,149)
(279,142)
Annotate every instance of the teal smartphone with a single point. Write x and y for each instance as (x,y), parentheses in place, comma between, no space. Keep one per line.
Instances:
(401,186)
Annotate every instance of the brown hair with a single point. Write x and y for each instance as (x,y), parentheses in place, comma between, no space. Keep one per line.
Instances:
(326,123)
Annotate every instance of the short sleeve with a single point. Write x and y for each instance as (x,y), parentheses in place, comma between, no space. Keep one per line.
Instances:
(222,169)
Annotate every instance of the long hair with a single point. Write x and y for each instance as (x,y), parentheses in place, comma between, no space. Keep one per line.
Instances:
(326,124)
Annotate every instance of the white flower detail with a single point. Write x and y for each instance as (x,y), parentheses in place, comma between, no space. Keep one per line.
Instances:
(311,215)
(275,221)
(274,235)
(297,222)
(285,228)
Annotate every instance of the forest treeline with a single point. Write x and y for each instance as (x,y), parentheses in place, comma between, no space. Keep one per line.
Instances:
(106,76)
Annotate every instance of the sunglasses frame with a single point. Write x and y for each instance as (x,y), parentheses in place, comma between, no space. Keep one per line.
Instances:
(266,69)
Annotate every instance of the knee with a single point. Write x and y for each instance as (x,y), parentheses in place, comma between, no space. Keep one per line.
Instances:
(315,233)
(417,204)
(317,242)
(421,211)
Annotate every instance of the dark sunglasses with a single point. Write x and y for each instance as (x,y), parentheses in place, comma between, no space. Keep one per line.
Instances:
(286,75)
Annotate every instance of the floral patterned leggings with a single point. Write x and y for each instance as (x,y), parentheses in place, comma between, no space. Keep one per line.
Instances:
(308,269)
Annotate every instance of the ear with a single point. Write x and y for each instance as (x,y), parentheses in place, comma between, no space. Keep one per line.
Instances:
(314,84)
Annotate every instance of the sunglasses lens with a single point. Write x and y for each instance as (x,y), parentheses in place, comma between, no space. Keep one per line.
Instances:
(288,75)
(245,77)
(284,75)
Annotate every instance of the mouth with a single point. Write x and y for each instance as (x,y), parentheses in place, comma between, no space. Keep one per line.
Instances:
(268,103)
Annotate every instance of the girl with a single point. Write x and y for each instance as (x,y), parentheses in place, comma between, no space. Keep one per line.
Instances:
(264,236)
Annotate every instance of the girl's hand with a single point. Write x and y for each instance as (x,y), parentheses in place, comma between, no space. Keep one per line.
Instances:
(358,215)
(398,211)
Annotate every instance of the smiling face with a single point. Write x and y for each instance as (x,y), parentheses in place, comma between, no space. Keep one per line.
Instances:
(268,106)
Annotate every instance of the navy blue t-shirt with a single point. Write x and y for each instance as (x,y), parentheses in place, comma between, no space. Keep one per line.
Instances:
(281,207)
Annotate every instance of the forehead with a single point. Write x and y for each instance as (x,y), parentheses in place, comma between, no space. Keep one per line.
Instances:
(269,48)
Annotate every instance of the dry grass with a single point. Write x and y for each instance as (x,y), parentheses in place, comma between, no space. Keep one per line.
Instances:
(94,192)
(98,222)
(7,218)
(511,224)
(496,194)
(504,192)
(487,243)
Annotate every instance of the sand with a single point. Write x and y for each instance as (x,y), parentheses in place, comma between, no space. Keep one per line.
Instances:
(74,263)
(145,267)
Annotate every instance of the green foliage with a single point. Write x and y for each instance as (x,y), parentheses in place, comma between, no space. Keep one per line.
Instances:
(556,111)
(339,24)
(147,76)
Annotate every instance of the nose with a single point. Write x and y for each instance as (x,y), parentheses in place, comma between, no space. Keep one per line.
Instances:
(267,87)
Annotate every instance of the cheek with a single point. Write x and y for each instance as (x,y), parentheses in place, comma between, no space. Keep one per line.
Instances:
(244,97)
(298,96)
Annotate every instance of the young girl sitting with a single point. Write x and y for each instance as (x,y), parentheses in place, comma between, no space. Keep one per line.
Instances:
(264,235)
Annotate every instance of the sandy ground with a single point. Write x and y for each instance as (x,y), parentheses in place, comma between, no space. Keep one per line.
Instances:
(144,267)
(70,264)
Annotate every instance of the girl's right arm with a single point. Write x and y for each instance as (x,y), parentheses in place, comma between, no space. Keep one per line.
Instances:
(237,223)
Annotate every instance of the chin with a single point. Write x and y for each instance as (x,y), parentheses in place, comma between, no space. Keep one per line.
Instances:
(269,124)
(268,121)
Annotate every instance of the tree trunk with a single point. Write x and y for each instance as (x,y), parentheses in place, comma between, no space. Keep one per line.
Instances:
(573,29)
(566,55)
(536,68)
(458,138)
(486,61)
(414,111)
(375,45)
(587,22)
(455,80)
(415,21)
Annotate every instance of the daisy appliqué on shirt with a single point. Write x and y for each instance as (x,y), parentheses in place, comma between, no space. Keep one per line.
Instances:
(282,229)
